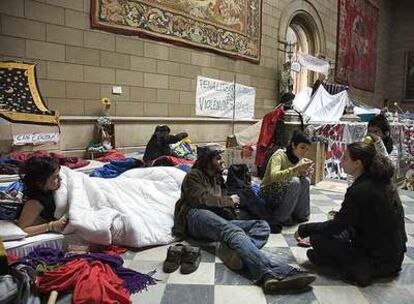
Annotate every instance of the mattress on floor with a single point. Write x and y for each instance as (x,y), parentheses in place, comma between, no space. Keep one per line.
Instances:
(22,247)
(93,164)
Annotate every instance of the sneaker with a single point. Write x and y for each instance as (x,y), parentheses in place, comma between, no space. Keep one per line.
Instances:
(296,280)
(190,259)
(229,257)
(173,260)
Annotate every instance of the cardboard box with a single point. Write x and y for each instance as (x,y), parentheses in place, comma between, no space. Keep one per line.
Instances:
(39,134)
(317,153)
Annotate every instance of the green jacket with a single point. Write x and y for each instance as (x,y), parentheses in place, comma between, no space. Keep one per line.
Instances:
(199,191)
(279,169)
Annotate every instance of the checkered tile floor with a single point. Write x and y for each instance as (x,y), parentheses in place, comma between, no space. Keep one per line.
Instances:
(214,283)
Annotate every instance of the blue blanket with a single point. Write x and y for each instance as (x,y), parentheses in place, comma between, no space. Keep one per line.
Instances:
(116,167)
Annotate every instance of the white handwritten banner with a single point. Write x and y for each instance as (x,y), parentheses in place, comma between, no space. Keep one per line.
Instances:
(35,138)
(215,98)
(314,64)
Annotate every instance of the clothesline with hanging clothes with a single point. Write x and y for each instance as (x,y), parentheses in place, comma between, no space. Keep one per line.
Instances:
(339,135)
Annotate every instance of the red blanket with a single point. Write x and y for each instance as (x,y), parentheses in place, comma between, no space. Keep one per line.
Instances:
(92,282)
(71,162)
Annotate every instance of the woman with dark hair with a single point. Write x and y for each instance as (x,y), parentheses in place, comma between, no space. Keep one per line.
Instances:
(40,177)
(285,185)
(366,238)
(379,129)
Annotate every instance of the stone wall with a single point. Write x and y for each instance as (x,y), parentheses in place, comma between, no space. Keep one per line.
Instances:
(402,41)
(77,66)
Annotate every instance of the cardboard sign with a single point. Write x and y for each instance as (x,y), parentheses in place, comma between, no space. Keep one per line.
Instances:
(35,138)
(215,98)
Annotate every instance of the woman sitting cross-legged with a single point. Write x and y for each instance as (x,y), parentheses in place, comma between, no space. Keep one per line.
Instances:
(366,238)
(285,185)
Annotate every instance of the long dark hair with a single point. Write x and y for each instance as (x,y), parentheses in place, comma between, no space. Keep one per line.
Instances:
(35,173)
(379,168)
(381,122)
(376,165)
(298,137)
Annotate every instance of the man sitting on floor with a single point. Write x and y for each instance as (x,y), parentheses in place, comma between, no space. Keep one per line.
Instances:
(205,211)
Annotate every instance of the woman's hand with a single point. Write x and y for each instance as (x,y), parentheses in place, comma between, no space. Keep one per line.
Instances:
(302,166)
(374,137)
(60,224)
(310,170)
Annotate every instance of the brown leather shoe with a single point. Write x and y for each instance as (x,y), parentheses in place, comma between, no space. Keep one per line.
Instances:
(173,260)
(295,281)
(190,259)
(229,257)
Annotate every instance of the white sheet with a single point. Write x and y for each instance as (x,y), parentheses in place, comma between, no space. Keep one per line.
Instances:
(302,99)
(250,135)
(325,107)
(40,238)
(135,209)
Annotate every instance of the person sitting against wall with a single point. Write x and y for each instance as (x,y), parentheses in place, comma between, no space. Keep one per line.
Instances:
(206,211)
(40,177)
(286,183)
(379,130)
(159,144)
(366,239)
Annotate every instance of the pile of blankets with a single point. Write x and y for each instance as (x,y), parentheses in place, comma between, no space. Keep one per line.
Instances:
(91,277)
(11,163)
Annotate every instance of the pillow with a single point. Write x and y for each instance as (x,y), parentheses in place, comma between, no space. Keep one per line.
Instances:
(9,231)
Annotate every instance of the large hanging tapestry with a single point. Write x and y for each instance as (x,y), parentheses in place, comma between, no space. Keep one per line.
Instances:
(20,100)
(230,27)
(356,60)
(409,76)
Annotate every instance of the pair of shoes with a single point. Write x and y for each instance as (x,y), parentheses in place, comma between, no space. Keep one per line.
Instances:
(229,257)
(188,257)
(296,280)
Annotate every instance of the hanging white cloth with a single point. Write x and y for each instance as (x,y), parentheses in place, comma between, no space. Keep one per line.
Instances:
(302,99)
(250,135)
(325,107)
(313,63)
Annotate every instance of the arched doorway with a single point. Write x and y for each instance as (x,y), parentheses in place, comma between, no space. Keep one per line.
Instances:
(300,30)
(300,42)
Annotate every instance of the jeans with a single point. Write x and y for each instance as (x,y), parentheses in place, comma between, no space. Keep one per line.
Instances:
(295,203)
(244,237)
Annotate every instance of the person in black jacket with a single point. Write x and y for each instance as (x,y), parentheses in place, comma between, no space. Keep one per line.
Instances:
(159,144)
(366,238)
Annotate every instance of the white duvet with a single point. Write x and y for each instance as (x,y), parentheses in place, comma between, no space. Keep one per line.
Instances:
(135,209)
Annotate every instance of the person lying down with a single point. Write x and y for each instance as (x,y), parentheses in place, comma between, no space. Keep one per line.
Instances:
(135,209)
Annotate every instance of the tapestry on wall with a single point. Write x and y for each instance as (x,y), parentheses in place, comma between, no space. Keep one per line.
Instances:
(409,77)
(20,100)
(230,27)
(357,44)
